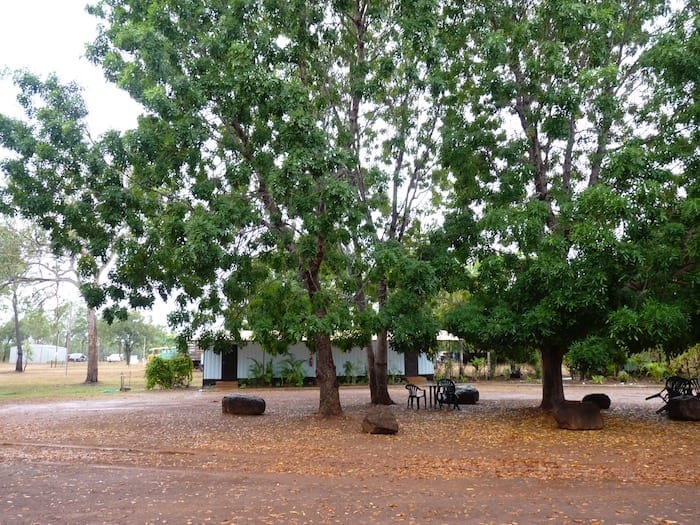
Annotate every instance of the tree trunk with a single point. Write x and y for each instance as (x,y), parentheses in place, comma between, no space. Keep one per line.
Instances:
(381,395)
(92,346)
(329,402)
(552,384)
(371,374)
(18,335)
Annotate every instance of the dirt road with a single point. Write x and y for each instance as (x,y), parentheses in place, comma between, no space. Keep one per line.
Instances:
(173,457)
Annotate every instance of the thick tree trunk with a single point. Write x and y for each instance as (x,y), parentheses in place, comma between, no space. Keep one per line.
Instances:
(18,335)
(92,346)
(552,384)
(327,379)
(381,395)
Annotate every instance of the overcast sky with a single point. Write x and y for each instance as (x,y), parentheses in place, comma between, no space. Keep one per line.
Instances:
(49,36)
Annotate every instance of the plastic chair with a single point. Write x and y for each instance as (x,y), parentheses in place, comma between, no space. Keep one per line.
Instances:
(447,393)
(675,386)
(415,392)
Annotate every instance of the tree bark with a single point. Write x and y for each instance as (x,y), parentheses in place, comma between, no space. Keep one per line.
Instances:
(381,395)
(552,384)
(329,402)
(371,374)
(18,335)
(92,346)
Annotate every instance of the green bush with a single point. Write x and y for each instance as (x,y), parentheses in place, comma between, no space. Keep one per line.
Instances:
(260,373)
(623,377)
(688,363)
(594,356)
(657,371)
(292,371)
(169,373)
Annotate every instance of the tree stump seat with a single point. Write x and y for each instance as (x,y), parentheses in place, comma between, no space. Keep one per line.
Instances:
(684,408)
(466,395)
(577,415)
(242,405)
(601,400)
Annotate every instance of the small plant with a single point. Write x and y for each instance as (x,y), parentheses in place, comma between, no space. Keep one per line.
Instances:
(261,373)
(623,377)
(657,371)
(351,371)
(394,376)
(479,364)
(598,380)
(292,371)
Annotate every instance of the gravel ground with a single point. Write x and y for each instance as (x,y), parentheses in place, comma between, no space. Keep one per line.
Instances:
(173,457)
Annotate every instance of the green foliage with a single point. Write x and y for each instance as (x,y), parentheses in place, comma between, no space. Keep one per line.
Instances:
(169,373)
(687,364)
(351,370)
(261,373)
(479,364)
(593,356)
(597,379)
(291,371)
(657,371)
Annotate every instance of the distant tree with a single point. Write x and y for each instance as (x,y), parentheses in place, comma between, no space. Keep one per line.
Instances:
(71,185)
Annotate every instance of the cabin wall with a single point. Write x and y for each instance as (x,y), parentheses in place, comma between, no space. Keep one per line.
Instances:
(354,361)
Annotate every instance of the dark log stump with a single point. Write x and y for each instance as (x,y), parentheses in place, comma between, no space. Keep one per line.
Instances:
(601,400)
(684,408)
(575,415)
(380,420)
(242,405)
(467,395)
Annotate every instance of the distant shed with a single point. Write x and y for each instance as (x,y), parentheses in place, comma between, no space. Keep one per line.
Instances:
(34,353)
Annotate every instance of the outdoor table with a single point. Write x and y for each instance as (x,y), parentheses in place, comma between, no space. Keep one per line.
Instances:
(432,393)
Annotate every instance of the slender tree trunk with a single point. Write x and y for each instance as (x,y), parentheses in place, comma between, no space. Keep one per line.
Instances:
(371,374)
(329,402)
(381,374)
(92,346)
(552,384)
(18,335)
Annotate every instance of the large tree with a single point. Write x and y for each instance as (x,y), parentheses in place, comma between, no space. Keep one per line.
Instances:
(551,161)
(72,186)
(284,140)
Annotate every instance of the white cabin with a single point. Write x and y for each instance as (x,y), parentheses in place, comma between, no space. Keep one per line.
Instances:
(235,365)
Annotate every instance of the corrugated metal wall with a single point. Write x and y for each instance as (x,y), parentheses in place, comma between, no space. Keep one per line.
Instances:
(250,351)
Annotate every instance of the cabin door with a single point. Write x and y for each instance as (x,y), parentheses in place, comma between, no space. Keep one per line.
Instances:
(229,365)
(410,363)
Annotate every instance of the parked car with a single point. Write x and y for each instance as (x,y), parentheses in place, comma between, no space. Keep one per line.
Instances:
(77,357)
(113,358)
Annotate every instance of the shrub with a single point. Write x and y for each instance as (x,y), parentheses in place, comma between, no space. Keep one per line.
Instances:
(261,373)
(594,356)
(657,371)
(292,371)
(169,373)
(688,363)
(623,377)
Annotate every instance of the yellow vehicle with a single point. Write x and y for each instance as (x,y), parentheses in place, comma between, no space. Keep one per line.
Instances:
(158,350)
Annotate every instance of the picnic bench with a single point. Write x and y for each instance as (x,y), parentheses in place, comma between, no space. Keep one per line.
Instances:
(676,386)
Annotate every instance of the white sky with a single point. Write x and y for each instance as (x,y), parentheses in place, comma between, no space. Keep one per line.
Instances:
(49,36)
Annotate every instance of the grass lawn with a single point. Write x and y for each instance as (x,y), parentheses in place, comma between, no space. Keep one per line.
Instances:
(44,381)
